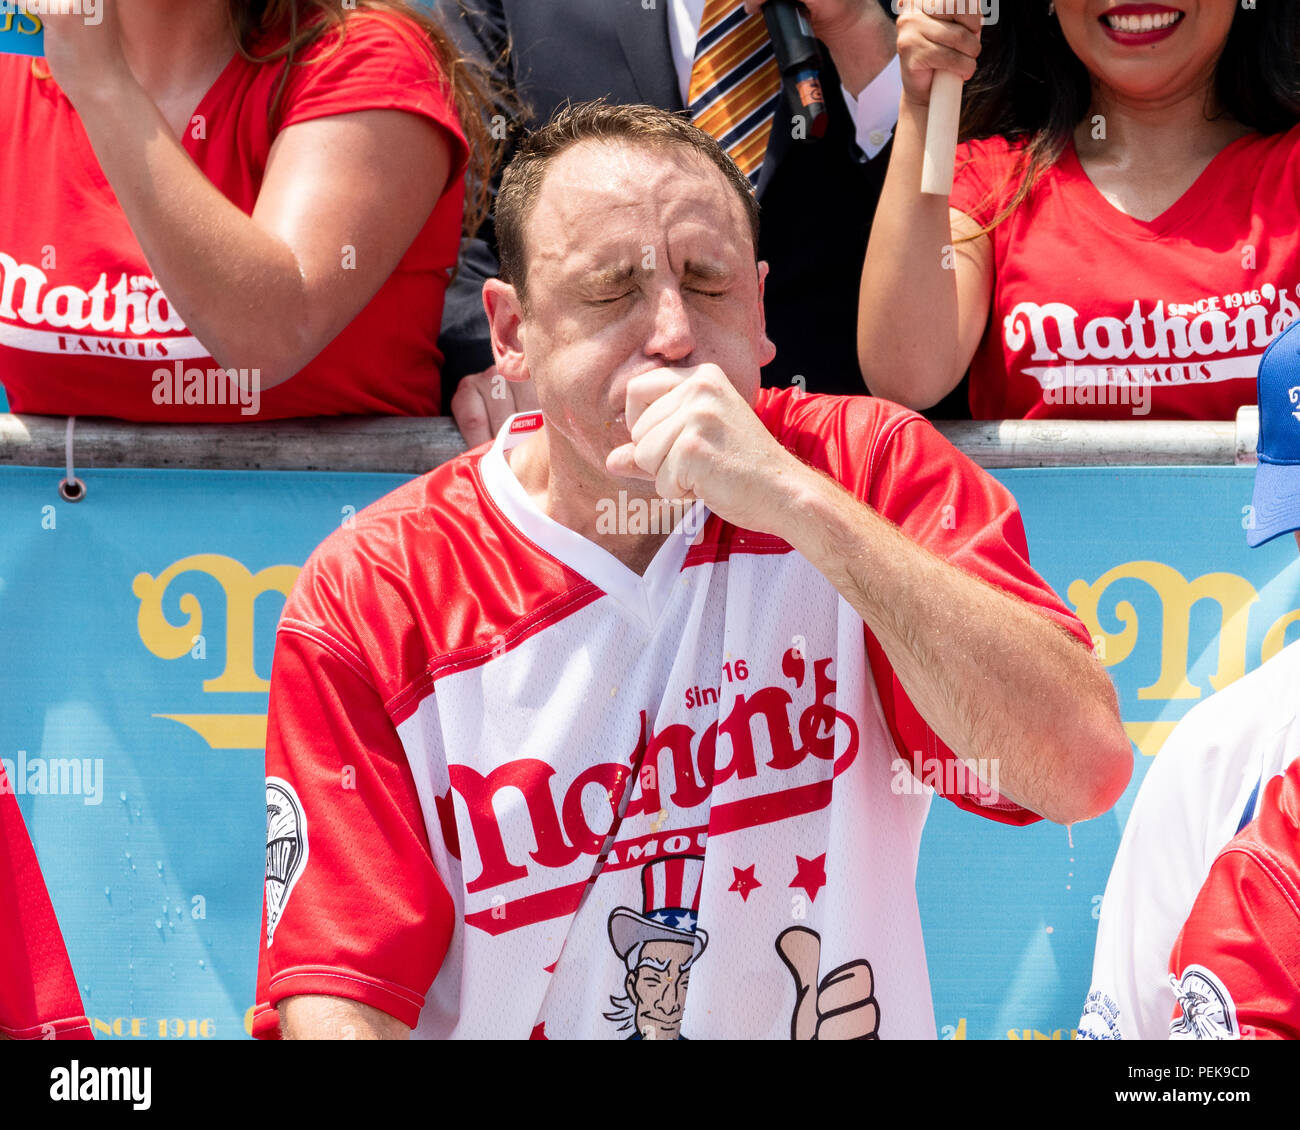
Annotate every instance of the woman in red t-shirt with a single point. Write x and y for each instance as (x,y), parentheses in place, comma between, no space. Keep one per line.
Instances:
(1123,241)
(273,188)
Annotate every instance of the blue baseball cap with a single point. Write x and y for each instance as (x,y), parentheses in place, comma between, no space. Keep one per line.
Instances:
(1276,502)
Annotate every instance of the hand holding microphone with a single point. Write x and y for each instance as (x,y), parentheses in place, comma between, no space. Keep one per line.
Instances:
(800,62)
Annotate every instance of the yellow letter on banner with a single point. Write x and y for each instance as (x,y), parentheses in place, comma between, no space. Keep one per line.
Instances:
(1275,637)
(1232,593)
(241,588)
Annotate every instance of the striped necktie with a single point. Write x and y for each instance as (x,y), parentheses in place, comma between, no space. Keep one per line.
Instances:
(735,83)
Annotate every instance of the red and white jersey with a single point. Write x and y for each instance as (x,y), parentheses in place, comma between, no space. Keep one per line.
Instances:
(38,993)
(1236,965)
(1201,790)
(466,695)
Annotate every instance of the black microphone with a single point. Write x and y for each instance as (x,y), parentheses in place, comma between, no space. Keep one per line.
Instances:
(800,62)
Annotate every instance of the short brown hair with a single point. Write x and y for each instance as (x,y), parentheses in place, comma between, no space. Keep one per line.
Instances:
(596,121)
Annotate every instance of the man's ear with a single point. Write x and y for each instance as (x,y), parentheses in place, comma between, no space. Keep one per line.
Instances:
(767,349)
(505,314)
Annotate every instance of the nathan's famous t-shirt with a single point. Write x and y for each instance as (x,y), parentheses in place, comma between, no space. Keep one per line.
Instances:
(84,325)
(1099,315)
(516,789)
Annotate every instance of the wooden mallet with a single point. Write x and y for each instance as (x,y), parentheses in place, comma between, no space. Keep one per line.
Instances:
(941,134)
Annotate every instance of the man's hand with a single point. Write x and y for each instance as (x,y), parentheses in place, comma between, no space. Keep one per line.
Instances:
(694,436)
(484,401)
(857,33)
(842,1007)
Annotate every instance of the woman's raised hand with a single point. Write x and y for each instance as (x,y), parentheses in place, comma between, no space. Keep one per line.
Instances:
(935,42)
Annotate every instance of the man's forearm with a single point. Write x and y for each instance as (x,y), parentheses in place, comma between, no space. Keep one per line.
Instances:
(336,1018)
(993,678)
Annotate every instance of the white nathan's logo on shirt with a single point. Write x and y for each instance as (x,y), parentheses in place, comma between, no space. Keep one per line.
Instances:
(130,318)
(1219,338)
(1208,1011)
(286,848)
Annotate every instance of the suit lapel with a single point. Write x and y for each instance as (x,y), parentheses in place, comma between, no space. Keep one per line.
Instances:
(643,34)
(783,140)
(778,144)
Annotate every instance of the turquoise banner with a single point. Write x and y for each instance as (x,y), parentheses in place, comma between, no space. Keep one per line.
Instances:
(138,628)
(20,34)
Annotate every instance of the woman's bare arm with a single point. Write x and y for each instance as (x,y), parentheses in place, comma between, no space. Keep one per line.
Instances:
(342,199)
(925,297)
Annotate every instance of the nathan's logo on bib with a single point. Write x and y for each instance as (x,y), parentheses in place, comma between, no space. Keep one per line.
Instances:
(286,848)
(759,739)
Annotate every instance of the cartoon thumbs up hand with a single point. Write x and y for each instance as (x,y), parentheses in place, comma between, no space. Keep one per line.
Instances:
(842,1007)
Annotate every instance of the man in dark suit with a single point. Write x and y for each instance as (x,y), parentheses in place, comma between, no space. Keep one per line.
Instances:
(817,196)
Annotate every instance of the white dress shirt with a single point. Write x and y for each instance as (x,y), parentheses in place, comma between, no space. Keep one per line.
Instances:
(874,111)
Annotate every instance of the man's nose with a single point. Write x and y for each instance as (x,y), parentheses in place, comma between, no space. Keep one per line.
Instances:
(670,336)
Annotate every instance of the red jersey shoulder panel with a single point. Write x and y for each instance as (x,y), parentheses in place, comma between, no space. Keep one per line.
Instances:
(430,574)
(1241,941)
(894,460)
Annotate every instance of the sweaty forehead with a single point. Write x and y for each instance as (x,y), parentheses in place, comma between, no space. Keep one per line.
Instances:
(599,194)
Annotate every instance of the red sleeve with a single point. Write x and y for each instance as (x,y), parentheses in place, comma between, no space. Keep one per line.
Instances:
(382,63)
(985,178)
(894,461)
(941,500)
(354,904)
(38,993)
(1237,960)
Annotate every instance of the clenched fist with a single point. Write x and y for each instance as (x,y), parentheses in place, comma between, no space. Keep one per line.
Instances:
(694,436)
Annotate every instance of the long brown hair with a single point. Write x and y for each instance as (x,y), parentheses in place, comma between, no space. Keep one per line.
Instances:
(1030,87)
(304,22)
